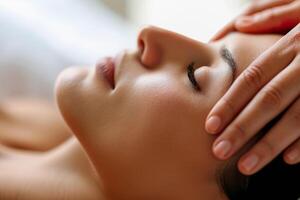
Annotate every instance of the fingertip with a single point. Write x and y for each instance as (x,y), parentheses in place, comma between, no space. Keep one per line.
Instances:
(223,31)
(249,167)
(249,164)
(213,124)
(242,170)
(214,38)
(291,157)
(217,36)
(222,149)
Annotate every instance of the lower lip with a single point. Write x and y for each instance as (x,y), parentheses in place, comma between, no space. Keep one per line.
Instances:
(106,68)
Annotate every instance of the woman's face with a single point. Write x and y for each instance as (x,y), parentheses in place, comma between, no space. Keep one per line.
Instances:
(146,135)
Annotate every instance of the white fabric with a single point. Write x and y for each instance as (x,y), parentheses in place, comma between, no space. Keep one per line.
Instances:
(39,38)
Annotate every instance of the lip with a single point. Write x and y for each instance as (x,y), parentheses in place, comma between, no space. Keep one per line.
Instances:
(109,68)
(106,69)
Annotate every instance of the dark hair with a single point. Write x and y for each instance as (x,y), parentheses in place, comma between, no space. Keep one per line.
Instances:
(277,180)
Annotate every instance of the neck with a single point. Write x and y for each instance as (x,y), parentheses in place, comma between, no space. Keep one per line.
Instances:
(70,157)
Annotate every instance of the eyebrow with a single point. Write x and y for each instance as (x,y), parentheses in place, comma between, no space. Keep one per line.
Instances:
(226,55)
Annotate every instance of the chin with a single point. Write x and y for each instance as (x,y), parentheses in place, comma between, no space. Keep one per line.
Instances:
(71,77)
(68,90)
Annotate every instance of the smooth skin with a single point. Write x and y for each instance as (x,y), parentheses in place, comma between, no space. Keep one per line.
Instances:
(31,124)
(140,140)
(269,86)
(145,136)
(39,158)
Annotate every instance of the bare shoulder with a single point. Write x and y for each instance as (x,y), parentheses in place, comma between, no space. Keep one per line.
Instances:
(31,124)
(24,178)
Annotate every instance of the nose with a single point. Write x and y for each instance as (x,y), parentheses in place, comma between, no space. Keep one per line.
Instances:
(158,46)
(149,46)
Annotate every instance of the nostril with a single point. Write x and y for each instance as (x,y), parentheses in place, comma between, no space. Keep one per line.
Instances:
(141,46)
(149,48)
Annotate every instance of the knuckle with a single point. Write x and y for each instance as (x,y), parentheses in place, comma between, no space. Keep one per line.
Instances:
(295,116)
(296,40)
(266,148)
(253,77)
(270,14)
(293,38)
(271,96)
(229,105)
(239,132)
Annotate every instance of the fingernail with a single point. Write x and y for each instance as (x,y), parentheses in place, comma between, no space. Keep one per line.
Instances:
(244,21)
(222,148)
(293,155)
(213,124)
(250,162)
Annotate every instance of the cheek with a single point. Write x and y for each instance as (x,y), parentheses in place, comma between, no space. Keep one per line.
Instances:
(163,129)
(157,138)
(164,115)
(156,109)
(161,96)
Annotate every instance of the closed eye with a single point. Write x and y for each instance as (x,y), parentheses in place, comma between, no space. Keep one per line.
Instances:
(191,76)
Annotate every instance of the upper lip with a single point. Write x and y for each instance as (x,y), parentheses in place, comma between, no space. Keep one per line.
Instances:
(112,68)
(105,68)
(109,67)
(117,64)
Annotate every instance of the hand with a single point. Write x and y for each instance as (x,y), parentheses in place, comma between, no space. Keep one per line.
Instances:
(264,16)
(270,85)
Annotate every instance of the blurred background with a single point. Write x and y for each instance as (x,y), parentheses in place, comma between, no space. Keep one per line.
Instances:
(41,37)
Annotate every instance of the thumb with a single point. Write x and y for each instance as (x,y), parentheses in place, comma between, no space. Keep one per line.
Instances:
(277,19)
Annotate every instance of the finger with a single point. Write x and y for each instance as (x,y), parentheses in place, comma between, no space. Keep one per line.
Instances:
(263,69)
(256,6)
(224,31)
(259,5)
(292,154)
(230,27)
(281,135)
(272,99)
(276,19)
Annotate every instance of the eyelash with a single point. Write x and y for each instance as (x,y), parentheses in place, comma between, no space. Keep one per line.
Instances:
(191,76)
